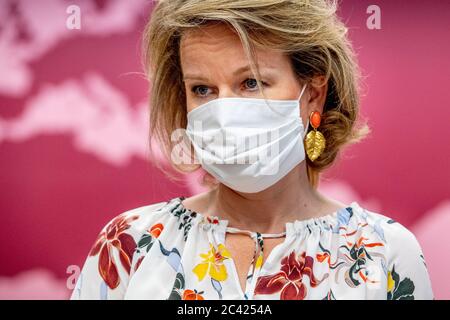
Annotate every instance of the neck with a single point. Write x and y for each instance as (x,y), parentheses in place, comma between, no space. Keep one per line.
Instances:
(291,198)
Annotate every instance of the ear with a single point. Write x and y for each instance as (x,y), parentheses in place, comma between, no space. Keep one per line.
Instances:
(314,98)
(316,95)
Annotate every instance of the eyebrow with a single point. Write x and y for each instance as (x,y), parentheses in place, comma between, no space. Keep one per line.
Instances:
(235,73)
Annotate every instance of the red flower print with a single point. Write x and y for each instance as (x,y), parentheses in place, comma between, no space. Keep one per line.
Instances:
(156,230)
(114,236)
(192,295)
(290,278)
(321,257)
(213,220)
(138,263)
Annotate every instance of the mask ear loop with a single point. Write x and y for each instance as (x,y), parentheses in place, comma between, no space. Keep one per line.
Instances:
(299,97)
(301,93)
(267,101)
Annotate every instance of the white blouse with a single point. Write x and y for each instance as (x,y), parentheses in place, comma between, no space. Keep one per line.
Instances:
(166,251)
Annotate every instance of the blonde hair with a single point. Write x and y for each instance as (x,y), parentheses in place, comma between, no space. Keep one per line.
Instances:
(308,31)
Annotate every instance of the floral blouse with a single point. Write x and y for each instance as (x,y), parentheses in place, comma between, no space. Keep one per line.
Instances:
(166,251)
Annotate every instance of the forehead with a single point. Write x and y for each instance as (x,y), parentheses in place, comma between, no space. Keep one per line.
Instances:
(218,43)
(212,35)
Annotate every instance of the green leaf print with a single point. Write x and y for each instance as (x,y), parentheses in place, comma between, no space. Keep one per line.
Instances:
(399,290)
(145,240)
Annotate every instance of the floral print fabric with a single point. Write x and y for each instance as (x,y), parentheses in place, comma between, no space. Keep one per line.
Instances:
(166,251)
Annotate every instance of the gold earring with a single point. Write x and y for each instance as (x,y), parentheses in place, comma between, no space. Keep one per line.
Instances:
(315,141)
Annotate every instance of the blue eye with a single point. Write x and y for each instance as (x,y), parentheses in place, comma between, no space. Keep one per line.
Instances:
(200,90)
(251,84)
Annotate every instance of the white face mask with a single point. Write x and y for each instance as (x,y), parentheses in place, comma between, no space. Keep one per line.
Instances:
(247,144)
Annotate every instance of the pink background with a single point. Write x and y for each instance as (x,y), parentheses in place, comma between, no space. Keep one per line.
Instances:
(73,128)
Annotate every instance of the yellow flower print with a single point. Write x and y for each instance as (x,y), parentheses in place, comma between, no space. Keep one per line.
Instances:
(391,282)
(259,262)
(212,263)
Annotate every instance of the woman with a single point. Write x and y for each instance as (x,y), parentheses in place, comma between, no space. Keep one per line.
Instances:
(266,91)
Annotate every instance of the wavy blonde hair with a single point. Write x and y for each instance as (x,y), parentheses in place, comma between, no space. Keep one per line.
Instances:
(308,31)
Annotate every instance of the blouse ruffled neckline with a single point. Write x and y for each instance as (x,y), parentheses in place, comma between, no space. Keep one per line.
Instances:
(326,222)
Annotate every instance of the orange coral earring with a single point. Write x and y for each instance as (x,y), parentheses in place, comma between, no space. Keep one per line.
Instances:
(315,141)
